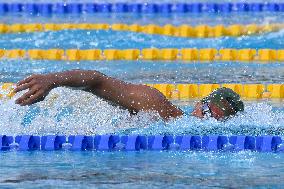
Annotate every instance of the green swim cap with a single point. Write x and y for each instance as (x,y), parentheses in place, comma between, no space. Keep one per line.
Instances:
(217,96)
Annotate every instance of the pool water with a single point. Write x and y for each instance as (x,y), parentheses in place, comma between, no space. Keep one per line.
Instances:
(137,169)
(67,111)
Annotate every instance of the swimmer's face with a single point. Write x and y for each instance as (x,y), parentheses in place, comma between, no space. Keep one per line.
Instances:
(213,111)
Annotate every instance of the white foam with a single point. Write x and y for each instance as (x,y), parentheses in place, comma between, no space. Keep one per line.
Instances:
(67,111)
(83,113)
(257,119)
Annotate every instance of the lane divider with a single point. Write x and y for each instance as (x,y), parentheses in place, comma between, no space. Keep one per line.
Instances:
(153,54)
(250,91)
(189,91)
(199,31)
(144,8)
(234,143)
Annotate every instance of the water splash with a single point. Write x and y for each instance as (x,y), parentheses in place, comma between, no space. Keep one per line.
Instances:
(66,111)
(257,119)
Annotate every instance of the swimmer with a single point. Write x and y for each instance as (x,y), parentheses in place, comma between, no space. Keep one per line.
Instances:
(220,104)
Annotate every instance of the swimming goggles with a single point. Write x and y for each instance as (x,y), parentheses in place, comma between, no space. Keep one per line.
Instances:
(206,110)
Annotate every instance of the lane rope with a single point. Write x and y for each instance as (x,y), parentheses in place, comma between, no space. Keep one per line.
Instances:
(234,143)
(152,54)
(192,91)
(199,31)
(47,9)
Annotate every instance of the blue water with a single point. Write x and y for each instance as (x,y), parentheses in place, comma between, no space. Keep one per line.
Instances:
(141,169)
(116,39)
(66,111)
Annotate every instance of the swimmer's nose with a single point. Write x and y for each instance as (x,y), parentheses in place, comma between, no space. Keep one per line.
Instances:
(197,112)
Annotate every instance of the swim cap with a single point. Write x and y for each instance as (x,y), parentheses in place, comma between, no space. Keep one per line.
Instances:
(217,96)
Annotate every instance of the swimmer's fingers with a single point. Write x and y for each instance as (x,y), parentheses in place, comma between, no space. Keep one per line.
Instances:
(26,96)
(23,87)
(38,96)
(41,98)
(26,80)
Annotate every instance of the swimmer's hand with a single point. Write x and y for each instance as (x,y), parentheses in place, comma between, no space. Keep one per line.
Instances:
(39,86)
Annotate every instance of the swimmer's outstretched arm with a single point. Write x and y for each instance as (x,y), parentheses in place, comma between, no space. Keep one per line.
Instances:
(133,97)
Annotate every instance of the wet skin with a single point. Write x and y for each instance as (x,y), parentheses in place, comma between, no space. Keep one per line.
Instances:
(217,112)
(133,97)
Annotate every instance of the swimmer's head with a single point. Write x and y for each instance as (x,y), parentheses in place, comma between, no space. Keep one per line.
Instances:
(220,104)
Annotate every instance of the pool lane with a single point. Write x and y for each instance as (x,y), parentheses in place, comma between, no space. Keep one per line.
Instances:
(87,39)
(153,71)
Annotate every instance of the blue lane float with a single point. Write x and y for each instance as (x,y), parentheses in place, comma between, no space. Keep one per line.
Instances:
(138,142)
(241,143)
(134,142)
(80,142)
(143,8)
(28,142)
(5,142)
(15,7)
(31,8)
(52,142)
(45,9)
